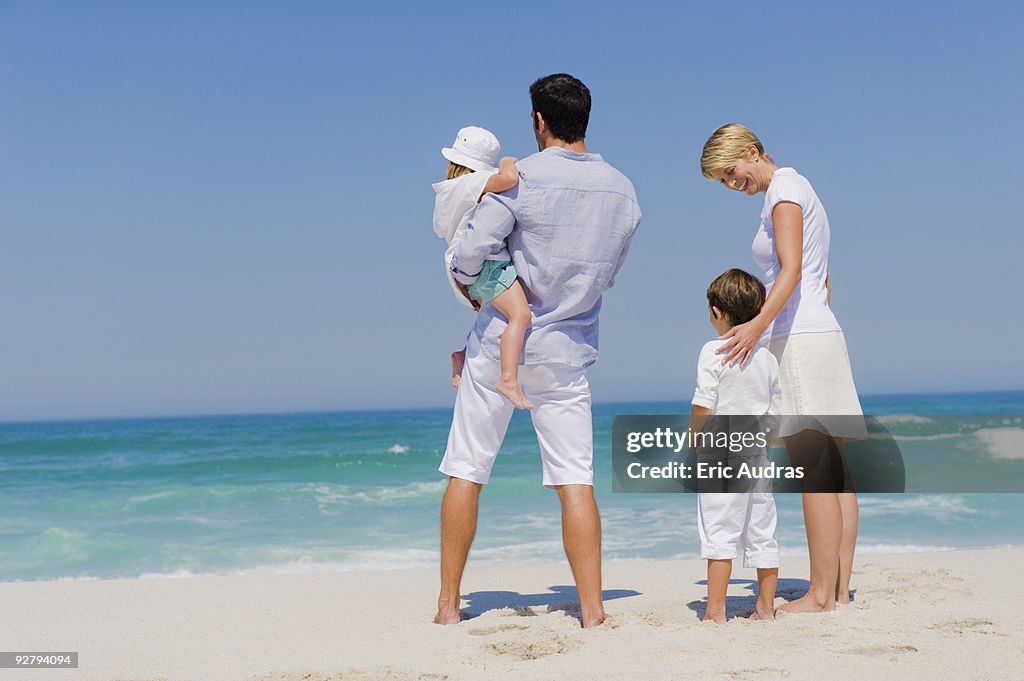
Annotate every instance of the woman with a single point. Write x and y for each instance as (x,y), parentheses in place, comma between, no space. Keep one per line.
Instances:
(792,248)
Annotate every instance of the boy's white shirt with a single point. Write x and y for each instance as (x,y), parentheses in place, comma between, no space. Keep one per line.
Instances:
(454,202)
(751,390)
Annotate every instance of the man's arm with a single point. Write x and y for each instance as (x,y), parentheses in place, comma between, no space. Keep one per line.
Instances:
(622,259)
(486,231)
(625,246)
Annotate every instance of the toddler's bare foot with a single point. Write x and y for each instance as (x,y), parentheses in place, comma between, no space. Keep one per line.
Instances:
(511,390)
(458,361)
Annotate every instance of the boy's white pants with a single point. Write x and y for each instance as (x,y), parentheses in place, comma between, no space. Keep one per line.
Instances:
(723,518)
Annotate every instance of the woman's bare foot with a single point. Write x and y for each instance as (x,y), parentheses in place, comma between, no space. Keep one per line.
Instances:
(807,603)
(763,614)
(843,599)
(458,361)
(511,390)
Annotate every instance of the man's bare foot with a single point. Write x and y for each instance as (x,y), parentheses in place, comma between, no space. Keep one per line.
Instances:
(595,619)
(807,603)
(447,614)
(511,390)
(458,361)
(763,614)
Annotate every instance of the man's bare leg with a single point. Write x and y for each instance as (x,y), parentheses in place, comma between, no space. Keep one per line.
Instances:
(848,544)
(458,526)
(581,536)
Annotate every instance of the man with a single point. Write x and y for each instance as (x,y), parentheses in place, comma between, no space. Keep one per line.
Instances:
(568,225)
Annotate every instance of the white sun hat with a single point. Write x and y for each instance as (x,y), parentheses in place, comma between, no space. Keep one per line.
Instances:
(475,148)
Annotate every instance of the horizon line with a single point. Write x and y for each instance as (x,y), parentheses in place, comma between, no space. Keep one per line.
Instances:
(311,412)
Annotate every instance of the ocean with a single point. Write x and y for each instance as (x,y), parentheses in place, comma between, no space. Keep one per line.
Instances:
(168,497)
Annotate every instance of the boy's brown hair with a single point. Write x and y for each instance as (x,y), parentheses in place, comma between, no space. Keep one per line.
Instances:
(738,294)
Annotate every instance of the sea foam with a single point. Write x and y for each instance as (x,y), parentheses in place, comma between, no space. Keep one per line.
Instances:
(1003,443)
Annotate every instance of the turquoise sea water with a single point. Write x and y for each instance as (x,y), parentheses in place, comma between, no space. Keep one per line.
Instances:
(360,490)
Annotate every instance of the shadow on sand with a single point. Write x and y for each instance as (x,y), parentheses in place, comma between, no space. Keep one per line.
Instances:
(557,598)
(744,606)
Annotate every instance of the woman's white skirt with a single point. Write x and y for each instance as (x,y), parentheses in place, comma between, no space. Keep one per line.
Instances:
(818,392)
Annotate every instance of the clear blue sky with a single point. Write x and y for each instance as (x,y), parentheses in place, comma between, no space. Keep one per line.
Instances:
(226,208)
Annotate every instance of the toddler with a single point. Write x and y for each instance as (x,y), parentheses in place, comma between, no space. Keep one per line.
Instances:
(471,174)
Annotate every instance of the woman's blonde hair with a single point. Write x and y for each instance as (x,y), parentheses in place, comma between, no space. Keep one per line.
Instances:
(455,170)
(727,145)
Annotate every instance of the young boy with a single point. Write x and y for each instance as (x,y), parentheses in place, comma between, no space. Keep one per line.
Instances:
(723,518)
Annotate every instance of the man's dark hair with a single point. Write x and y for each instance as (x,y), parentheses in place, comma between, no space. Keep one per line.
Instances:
(738,294)
(564,102)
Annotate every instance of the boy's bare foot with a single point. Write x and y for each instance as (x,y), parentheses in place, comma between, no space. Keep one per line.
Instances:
(511,390)
(807,603)
(458,361)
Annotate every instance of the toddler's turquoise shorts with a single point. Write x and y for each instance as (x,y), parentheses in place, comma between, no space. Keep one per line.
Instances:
(495,278)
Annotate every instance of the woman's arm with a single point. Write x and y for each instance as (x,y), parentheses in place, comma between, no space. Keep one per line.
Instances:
(788,220)
(698,418)
(828,291)
(503,180)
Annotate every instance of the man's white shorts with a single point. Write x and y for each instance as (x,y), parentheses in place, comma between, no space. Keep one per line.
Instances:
(724,518)
(561,416)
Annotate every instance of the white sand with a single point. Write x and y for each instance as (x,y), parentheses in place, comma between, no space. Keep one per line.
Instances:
(947,616)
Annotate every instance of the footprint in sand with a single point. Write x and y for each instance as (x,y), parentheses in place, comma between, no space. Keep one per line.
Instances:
(756,674)
(496,629)
(356,674)
(533,649)
(650,619)
(969,625)
(880,650)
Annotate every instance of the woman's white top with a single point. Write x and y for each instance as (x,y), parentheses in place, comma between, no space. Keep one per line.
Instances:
(807,309)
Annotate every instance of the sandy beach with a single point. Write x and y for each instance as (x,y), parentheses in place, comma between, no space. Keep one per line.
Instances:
(953,615)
